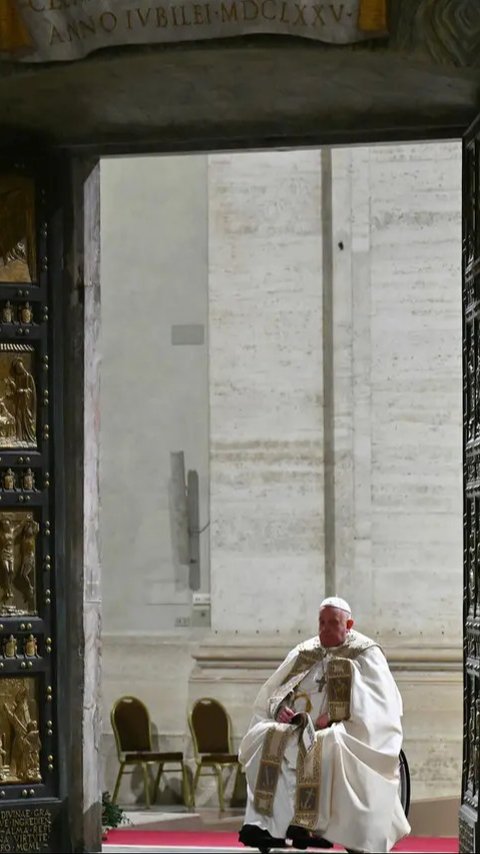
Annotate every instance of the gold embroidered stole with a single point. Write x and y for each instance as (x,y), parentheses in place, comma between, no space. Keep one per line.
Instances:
(307,797)
(269,771)
(309,765)
(339,684)
(339,688)
(277,736)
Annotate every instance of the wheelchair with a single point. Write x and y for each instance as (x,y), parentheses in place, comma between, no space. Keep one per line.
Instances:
(404,785)
(403,793)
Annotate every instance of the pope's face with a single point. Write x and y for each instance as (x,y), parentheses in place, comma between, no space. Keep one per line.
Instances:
(333,626)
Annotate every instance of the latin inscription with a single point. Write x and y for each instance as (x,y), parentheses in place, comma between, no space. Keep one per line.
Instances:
(316,16)
(25,830)
(67,29)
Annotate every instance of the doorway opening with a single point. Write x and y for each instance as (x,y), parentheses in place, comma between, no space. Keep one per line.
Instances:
(281,418)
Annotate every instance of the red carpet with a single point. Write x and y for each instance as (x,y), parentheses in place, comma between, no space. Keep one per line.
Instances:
(222,840)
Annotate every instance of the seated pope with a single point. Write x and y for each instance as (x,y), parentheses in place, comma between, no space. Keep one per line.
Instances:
(321,755)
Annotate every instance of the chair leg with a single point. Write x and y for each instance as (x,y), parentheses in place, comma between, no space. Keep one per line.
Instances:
(187,799)
(221,797)
(236,784)
(117,782)
(146,784)
(195,782)
(157,782)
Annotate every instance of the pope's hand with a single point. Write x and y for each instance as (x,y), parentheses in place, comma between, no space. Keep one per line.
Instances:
(322,722)
(285,715)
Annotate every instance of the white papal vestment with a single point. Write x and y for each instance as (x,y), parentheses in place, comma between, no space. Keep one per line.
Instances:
(357,803)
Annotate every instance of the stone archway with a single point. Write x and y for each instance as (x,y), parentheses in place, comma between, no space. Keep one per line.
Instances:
(250,92)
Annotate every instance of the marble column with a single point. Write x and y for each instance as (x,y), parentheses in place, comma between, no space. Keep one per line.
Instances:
(92,720)
(81,722)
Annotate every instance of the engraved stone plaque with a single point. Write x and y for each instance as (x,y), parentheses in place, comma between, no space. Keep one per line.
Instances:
(25,830)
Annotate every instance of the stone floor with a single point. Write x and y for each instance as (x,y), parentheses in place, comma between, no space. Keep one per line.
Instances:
(179,818)
(437,817)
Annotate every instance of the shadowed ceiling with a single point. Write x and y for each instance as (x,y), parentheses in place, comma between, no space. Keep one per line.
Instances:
(424,81)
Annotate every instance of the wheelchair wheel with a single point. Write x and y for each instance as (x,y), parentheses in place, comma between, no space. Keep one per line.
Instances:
(404,786)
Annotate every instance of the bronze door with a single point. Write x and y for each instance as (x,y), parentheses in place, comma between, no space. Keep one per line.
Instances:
(469,824)
(32,740)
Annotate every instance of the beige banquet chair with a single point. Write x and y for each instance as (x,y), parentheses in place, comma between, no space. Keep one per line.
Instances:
(133,738)
(210,727)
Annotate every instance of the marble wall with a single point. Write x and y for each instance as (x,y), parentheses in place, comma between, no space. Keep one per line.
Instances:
(397,389)
(332,277)
(396,234)
(154,384)
(266,396)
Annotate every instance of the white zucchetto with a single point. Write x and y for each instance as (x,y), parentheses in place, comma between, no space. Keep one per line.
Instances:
(336,602)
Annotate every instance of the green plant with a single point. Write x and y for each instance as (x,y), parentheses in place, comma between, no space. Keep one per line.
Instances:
(112,814)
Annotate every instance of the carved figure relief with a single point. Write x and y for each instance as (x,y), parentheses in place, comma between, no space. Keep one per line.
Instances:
(9,479)
(470,647)
(477,392)
(472,742)
(21,389)
(18,397)
(7,556)
(30,647)
(27,569)
(28,480)
(7,424)
(18,534)
(17,229)
(476,746)
(472,582)
(7,312)
(476,591)
(3,758)
(26,313)
(19,732)
(10,647)
(471,384)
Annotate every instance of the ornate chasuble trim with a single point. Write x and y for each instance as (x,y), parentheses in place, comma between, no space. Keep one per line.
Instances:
(305,660)
(312,653)
(339,688)
(309,778)
(268,773)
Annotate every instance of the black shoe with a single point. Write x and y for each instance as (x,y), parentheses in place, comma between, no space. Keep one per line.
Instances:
(256,837)
(319,842)
(303,838)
